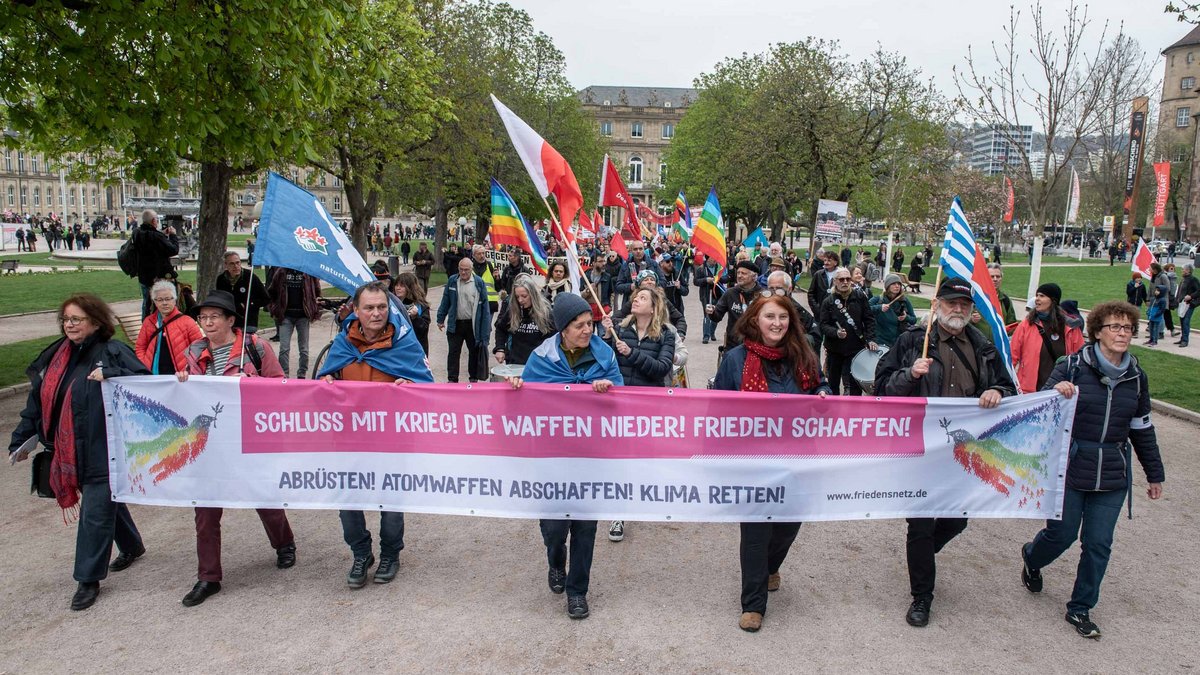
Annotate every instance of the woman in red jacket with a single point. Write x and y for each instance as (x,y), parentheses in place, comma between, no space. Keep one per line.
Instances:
(166,334)
(1042,338)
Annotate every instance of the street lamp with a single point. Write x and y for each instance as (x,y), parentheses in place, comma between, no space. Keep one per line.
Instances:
(462,229)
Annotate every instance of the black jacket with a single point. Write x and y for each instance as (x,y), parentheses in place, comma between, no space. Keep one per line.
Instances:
(517,345)
(247,287)
(87,403)
(154,251)
(734,303)
(508,275)
(831,318)
(706,278)
(1105,417)
(651,359)
(675,316)
(892,376)
(779,380)
(675,295)
(818,290)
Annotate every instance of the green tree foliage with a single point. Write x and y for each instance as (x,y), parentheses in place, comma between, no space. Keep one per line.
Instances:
(385,105)
(233,86)
(777,132)
(483,48)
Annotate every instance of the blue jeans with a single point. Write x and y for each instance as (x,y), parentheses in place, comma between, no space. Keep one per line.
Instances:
(1156,330)
(358,537)
(1185,324)
(1096,513)
(710,328)
(300,325)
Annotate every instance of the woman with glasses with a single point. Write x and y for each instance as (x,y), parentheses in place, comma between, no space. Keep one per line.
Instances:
(65,412)
(774,357)
(166,334)
(1112,413)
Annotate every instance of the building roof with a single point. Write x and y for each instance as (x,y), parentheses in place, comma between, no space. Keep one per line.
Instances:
(641,97)
(1191,39)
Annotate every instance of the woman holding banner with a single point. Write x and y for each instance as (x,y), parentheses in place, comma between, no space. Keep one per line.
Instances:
(575,355)
(65,413)
(774,357)
(1113,413)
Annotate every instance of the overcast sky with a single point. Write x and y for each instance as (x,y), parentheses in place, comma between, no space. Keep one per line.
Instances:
(667,43)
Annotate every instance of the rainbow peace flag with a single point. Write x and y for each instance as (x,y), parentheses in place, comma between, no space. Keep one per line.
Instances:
(709,234)
(683,218)
(509,227)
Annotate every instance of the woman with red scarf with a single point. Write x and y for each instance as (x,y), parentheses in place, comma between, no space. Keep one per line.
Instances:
(65,411)
(775,358)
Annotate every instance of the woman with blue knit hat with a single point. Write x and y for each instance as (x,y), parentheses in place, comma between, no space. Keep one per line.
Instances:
(574,355)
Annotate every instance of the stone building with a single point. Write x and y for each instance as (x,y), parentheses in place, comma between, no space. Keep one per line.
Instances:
(638,123)
(1178,118)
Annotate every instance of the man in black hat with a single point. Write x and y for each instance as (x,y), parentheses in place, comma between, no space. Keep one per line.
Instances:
(960,362)
(735,300)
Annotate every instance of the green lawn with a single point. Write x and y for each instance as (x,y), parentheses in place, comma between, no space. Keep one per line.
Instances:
(49,260)
(44,291)
(1173,378)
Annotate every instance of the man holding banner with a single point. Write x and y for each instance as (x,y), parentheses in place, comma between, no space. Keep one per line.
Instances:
(949,358)
(369,349)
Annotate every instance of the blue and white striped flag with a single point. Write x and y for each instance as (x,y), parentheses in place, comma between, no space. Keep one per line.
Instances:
(962,258)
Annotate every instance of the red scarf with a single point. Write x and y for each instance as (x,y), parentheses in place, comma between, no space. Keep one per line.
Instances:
(754,378)
(64,479)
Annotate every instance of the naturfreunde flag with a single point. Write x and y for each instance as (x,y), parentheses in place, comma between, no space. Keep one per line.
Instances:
(510,227)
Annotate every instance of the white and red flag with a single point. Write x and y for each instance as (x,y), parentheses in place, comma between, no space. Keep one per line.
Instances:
(1142,257)
(550,173)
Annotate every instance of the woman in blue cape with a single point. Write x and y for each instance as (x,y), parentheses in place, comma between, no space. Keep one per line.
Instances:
(574,355)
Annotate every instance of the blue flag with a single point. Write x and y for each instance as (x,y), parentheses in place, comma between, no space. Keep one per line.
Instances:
(756,237)
(296,232)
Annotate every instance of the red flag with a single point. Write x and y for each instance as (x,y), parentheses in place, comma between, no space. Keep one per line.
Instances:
(613,193)
(1011,202)
(1142,258)
(617,244)
(1162,175)
(585,221)
(597,221)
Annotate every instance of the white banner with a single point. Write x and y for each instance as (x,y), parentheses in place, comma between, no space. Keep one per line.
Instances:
(555,451)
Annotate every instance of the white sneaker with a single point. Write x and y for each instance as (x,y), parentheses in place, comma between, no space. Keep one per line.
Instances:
(616,531)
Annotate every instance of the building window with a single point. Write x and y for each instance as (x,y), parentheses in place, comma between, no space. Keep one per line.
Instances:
(668,131)
(337,203)
(24,196)
(12,196)
(323,204)
(37,196)
(1190,57)
(72,198)
(95,200)
(607,102)
(1187,83)
(606,128)
(635,170)
(33,163)
(20,161)
(337,182)
(1183,117)
(662,174)
(1181,153)
(322,181)
(635,130)
(666,104)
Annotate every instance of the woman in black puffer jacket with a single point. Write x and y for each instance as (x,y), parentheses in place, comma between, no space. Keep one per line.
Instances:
(1113,412)
(644,341)
(522,323)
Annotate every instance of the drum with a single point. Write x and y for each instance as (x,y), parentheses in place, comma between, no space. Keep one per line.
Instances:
(502,372)
(863,367)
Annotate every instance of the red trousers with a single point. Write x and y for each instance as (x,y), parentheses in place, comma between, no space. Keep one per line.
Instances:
(208,537)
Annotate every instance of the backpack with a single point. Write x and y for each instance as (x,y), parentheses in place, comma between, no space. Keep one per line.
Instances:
(127,256)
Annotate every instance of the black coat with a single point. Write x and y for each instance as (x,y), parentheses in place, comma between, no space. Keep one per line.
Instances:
(519,344)
(780,380)
(1108,416)
(734,303)
(87,403)
(818,290)
(892,376)
(154,251)
(246,288)
(651,359)
(857,305)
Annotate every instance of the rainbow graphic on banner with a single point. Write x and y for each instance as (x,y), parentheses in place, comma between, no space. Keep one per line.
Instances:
(510,227)
(160,438)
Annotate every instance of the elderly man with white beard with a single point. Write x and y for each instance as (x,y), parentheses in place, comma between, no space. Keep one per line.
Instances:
(960,362)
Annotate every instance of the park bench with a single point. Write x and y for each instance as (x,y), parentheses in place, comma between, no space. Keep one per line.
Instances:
(912,286)
(131,324)
(9,266)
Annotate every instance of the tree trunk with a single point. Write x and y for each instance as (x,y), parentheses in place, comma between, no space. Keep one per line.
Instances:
(215,179)
(360,217)
(441,216)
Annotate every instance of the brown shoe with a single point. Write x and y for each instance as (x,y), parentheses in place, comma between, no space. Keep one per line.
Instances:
(773,582)
(750,622)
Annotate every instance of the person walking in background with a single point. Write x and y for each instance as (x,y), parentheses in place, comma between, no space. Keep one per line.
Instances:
(1155,311)
(248,292)
(464,309)
(893,311)
(523,322)
(405,250)
(154,251)
(293,305)
(166,334)
(1188,295)
(1135,290)
(1042,338)
(423,265)
(408,290)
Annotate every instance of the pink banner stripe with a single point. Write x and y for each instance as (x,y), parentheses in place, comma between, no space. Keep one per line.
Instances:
(544,420)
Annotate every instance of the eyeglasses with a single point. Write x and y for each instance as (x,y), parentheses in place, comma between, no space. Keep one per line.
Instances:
(771,292)
(73,320)
(210,317)
(1118,328)
(842,279)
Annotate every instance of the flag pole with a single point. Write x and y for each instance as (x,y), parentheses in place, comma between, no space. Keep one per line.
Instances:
(246,317)
(932,306)
(573,254)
